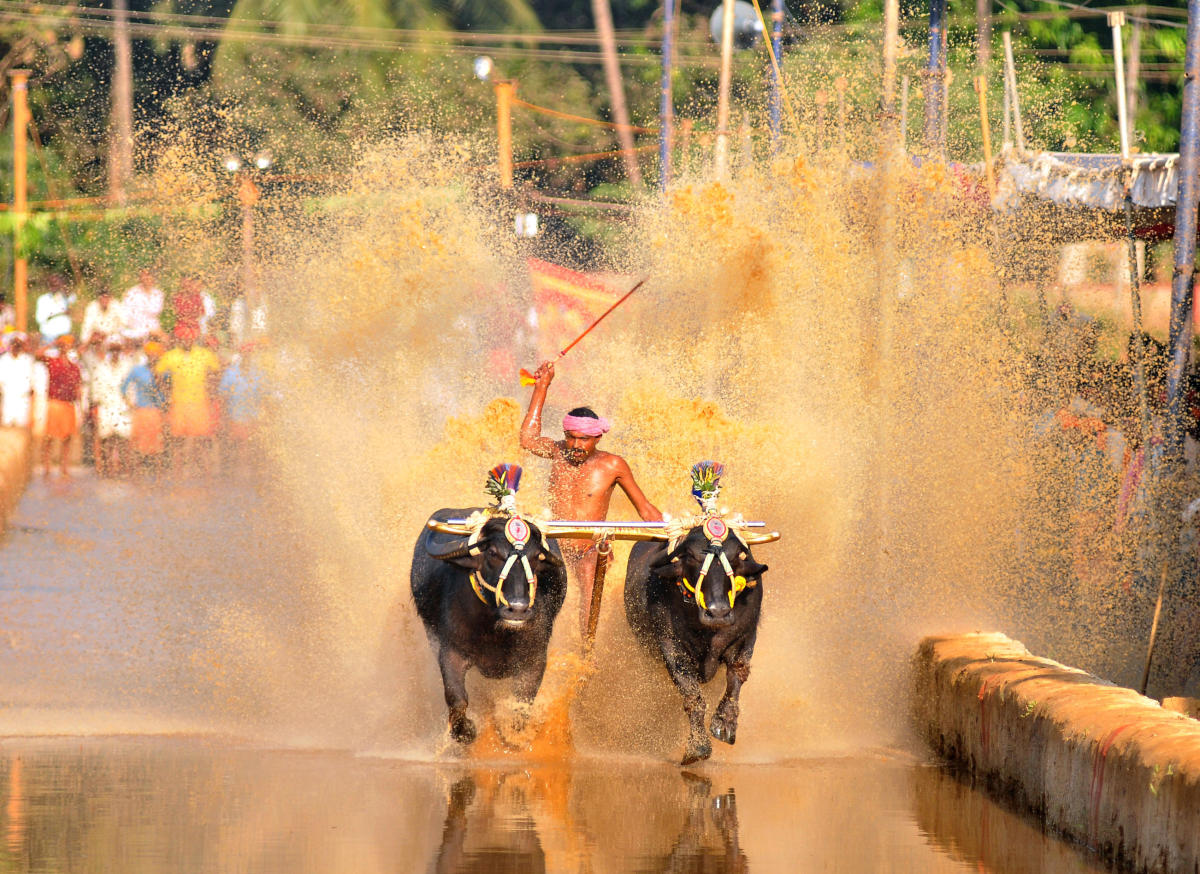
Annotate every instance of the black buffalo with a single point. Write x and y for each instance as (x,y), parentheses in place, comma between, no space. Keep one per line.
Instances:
(697,626)
(472,622)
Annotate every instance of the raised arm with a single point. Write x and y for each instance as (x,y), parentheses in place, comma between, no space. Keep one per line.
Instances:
(645,509)
(531,429)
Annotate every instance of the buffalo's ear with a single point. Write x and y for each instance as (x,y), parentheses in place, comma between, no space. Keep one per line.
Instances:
(751,568)
(466,562)
(668,568)
(550,557)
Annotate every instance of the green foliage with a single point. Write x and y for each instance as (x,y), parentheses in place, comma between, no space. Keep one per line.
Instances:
(313,106)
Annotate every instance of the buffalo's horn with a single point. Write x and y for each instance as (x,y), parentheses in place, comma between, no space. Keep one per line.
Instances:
(755,539)
(447,528)
(452,554)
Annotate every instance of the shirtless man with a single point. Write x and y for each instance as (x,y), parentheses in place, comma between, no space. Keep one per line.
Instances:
(582,479)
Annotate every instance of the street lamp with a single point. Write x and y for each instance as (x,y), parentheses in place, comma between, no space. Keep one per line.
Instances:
(248,195)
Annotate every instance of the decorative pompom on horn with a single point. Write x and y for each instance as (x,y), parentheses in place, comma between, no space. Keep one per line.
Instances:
(706,483)
(502,484)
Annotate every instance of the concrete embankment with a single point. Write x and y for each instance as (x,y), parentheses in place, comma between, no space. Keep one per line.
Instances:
(1103,765)
(14,469)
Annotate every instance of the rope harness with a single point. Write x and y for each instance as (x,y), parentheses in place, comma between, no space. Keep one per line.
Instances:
(717,532)
(517,532)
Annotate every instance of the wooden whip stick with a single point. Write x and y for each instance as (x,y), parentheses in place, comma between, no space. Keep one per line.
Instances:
(527,378)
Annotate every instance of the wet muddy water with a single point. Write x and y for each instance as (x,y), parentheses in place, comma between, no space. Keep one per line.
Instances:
(125,745)
(200,805)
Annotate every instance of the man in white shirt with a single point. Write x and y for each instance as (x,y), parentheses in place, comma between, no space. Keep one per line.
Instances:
(16,384)
(142,306)
(103,316)
(52,314)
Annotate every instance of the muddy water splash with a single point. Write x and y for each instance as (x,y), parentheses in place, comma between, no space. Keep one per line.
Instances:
(836,340)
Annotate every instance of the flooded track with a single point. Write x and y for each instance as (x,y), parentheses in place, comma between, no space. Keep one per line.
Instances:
(157,805)
(127,745)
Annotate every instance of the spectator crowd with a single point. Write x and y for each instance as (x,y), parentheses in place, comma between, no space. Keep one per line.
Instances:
(127,395)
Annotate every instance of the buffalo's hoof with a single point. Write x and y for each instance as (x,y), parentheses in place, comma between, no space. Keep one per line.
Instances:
(697,752)
(463,730)
(724,724)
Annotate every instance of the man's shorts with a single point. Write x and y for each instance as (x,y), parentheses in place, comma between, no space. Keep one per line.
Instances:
(147,430)
(60,420)
(191,420)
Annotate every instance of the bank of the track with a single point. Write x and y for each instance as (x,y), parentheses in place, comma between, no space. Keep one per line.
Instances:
(1103,765)
(14,469)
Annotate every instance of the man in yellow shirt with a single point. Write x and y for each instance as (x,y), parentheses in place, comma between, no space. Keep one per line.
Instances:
(192,371)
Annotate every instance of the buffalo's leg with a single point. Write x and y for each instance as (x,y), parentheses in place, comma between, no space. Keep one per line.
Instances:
(737,671)
(454,679)
(725,719)
(686,677)
(525,689)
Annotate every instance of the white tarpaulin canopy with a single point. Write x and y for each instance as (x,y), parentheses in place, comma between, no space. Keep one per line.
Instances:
(1085,181)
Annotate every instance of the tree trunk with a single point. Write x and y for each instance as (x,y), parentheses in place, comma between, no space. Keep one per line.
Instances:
(612,72)
(120,133)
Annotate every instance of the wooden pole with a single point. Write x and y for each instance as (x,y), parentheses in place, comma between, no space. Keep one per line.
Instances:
(666,104)
(120,146)
(904,83)
(935,74)
(841,83)
(722,149)
(1133,69)
(985,127)
(1183,278)
(1116,20)
(1010,72)
(248,198)
(983,30)
(891,44)
(504,151)
(20,98)
(602,13)
(603,551)
(776,84)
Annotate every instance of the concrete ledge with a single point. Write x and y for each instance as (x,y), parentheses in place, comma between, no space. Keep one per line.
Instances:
(1103,765)
(15,461)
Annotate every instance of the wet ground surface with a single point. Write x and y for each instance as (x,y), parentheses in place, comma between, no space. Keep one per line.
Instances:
(111,760)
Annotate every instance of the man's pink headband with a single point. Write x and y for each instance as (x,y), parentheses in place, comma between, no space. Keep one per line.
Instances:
(586,426)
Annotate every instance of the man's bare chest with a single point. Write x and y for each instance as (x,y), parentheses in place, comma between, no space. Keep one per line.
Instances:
(585,480)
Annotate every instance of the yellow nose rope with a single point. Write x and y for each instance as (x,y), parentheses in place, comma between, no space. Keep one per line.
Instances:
(739,583)
(479,584)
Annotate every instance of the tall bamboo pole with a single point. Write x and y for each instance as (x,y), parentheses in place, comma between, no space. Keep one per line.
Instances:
(1133,69)
(1182,290)
(722,150)
(1185,233)
(1010,74)
(935,72)
(1116,20)
(985,127)
(666,104)
(983,30)
(891,48)
(612,72)
(776,85)
(120,133)
(504,153)
(20,98)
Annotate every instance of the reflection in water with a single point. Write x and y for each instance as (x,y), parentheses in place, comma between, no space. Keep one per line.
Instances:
(695,849)
(970,827)
(501,838)
(159,806)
